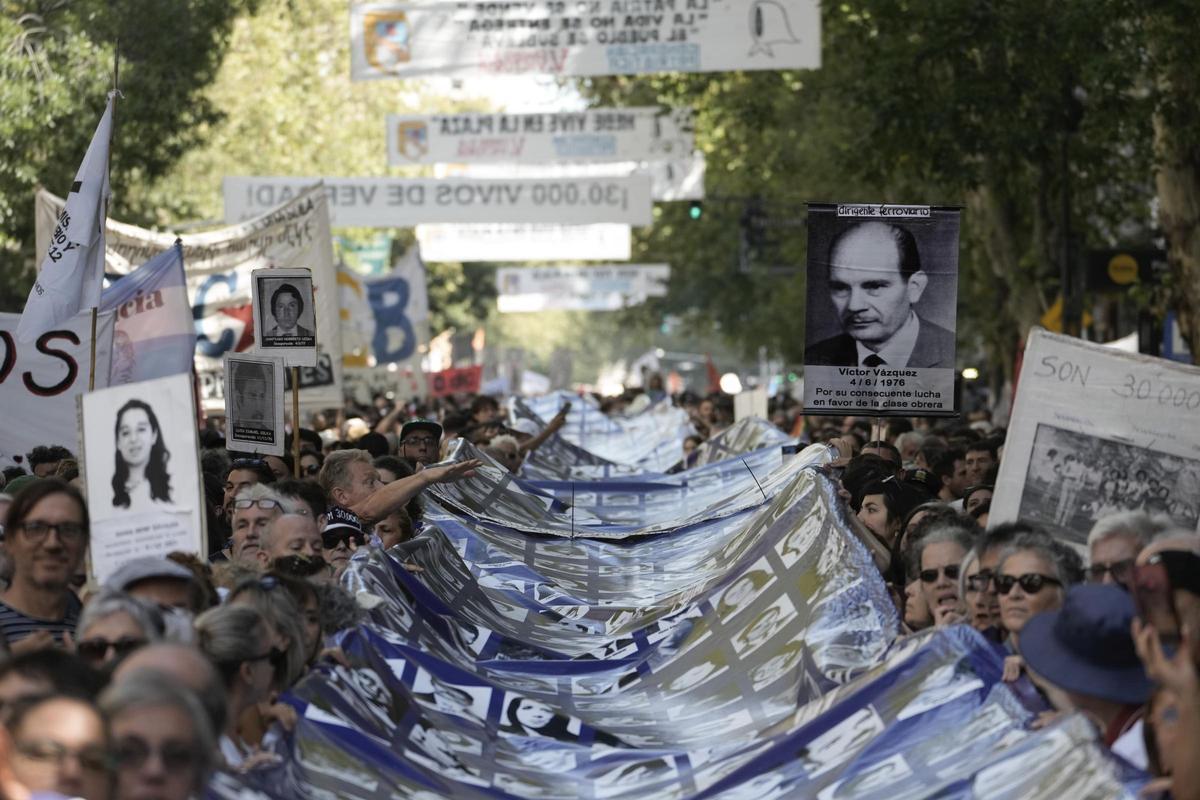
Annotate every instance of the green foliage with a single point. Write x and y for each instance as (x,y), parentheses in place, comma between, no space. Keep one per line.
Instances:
(56,66)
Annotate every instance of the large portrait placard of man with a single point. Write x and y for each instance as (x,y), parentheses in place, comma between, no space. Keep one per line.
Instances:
(254,402)
(284,315)
(882,294)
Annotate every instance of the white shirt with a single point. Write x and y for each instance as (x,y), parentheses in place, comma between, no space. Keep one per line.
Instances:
(897,350)
(1131,746)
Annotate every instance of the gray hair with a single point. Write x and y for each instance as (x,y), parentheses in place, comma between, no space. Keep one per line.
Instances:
(108,602)
(970,558)
(268,536)
(335,472)
(280,611)
(229,635)
(961,532)
(909,436)
(146,689)
(1137,525)
(1065,562)
(261,491)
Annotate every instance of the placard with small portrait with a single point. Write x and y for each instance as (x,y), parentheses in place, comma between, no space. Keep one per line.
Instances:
(254,403)
(285,315)
(882,293)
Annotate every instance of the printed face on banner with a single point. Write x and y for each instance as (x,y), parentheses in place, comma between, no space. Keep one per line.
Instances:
(142,471)
(882,290)
(254,399)
(386,34)
(284,317)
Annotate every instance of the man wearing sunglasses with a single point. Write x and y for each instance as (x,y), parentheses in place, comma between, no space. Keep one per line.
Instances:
(342,536)
(1114,543)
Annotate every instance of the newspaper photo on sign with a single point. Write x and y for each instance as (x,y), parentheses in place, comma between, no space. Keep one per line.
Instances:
(1096,431)
(284,315)
(142,470)
(882,295)
(254,402)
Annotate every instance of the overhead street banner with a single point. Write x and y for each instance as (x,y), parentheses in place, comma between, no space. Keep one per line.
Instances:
(606,287)
(406,202)
(525,242)
(673,179)
(599,134)
(581,37)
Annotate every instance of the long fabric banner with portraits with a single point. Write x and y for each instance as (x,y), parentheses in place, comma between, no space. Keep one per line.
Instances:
(881,320)
(218,264)
(1096,431)
(749,654)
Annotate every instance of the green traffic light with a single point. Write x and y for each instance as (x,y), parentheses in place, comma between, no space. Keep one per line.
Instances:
(696,210)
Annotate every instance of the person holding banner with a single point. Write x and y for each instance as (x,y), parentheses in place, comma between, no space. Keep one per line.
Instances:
(875,280)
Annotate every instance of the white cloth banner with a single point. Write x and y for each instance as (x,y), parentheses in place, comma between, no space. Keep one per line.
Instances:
(72,269)
(606,287)
(406,202)
(1096,431)
(40,380)
(472,39)
(385,317)
(679,178)
(643,133)
(525,242)
(218,265)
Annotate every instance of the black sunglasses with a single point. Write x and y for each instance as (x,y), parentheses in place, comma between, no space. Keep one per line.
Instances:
(931,575)
(331,539)
(132,752)
(980,580)
(277,657)
(1120,570)
(96,650)
(1031,583)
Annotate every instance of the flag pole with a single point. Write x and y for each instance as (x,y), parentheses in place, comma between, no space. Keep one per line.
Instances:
(296,422)
(104,216)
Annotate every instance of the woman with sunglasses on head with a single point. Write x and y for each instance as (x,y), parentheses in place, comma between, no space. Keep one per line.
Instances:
(1032,576)
(113,625)
(163,742)
(237,639)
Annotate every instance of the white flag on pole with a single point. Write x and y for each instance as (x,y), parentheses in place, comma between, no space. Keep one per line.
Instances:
(73,266)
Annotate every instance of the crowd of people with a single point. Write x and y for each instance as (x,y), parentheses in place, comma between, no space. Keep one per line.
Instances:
(139,687)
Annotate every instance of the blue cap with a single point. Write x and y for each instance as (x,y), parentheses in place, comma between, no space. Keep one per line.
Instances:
(1086,646)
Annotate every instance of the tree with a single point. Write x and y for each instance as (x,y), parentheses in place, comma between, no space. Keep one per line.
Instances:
(56,67)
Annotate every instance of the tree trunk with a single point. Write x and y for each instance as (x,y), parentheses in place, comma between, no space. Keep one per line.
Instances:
(1178,183)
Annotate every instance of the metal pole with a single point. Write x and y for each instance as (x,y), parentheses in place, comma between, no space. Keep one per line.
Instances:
(296,422)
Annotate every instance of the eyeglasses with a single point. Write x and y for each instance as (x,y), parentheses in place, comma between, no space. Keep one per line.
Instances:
(1120,570)
(132,752)
(931,575)
(1031,583)
(37,531)
(299,566)
(980,581)
(96,650)
(420,441)
(93,759)
(265,503)
(333,538)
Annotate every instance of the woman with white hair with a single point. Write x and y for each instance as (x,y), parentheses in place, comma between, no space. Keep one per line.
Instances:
(163,746)
(114,624)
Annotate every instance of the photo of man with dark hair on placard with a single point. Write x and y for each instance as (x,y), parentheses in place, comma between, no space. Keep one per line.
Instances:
(875,279)
(253,395)
(253,400)
(284,312)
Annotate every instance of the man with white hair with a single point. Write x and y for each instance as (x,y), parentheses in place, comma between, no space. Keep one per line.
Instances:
(254,509)
(289,535)
(1115,541)
(351,482)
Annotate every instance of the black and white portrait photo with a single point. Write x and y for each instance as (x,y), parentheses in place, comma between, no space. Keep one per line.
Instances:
(1074,479)
(284,315)
(141,463)
(882,290)
(254,400)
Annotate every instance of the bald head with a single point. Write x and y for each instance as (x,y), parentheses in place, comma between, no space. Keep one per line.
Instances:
(182,664)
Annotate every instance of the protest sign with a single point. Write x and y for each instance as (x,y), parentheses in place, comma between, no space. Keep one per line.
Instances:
(40,380)
(154,335)
(453,381)
(283,315)
(254,403)
(1096,431)
(525,242)
(882,292)
(642,133)
(405,202)
(218,264)
(384,318)
(142,468)
(606,287)
(469,40)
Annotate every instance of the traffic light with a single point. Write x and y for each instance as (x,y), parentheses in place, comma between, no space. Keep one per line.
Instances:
(695,209)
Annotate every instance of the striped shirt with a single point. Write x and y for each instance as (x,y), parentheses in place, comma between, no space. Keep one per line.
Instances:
(15,626)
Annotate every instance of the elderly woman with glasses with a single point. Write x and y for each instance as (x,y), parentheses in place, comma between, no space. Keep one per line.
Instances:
(113,625)
(938,556)
(1032,576)
(237,639)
